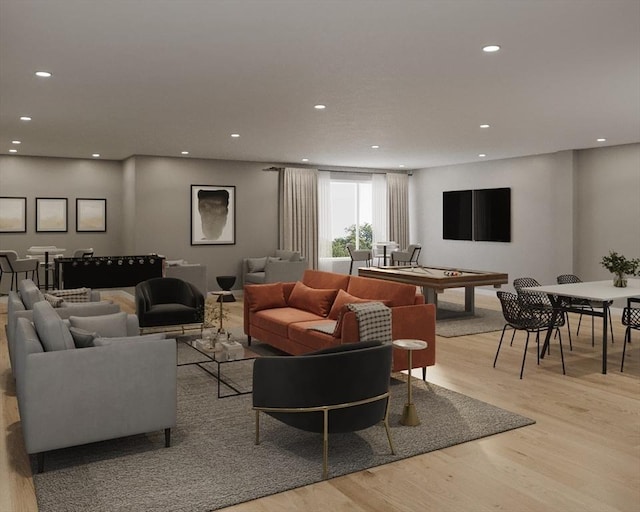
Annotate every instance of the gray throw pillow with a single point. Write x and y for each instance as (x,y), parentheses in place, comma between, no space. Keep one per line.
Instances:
(82,338)
(103,342)
(53,333)
(256,264)
(106,326)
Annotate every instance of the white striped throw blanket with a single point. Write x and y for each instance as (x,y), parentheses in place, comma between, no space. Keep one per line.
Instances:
(374,321)
(73,295)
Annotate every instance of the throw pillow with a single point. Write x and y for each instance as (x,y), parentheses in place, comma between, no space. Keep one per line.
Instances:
(265,296)
(256,264)
(342,299)
(106,326)
(56,302)
(272,258)
(74,294)
(313,300)
(82,338)
(103,342)
(53,333)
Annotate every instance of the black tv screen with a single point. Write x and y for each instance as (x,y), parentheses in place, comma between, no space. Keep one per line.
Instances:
(457,215)
(492,215)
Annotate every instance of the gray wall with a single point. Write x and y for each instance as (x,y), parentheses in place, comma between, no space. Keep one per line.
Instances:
(568,208)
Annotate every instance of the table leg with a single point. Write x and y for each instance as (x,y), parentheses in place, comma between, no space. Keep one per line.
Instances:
(605,319)
(469,299)
(409,413)
(46,270)
(384,255)
(555,302)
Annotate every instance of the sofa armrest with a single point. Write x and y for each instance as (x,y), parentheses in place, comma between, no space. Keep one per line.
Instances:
(73,397)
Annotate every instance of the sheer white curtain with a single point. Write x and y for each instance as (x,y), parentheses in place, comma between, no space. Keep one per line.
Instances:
(324,214)
(379,200)
(398,204)
(299,213)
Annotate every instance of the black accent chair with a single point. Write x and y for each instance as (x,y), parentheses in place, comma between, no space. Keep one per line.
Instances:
(521,316)
(630,318)
(168,301)
(340,389)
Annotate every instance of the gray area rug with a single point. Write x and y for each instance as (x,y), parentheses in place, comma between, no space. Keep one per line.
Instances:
(213,461)
(450,323)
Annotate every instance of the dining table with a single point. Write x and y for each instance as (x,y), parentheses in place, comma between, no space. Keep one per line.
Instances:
(45,251)
(383,245)
(602,293)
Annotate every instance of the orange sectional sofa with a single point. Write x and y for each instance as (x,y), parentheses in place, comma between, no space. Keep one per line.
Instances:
(281,314)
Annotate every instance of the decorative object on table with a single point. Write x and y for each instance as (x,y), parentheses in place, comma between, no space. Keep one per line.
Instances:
(214,313)
(213,215)
(13,214)
(51,214)
(231,351)
(620,266)
(91,215)
(225,283)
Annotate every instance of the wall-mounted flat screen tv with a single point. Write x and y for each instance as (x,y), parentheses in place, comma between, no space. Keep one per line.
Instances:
(481,215)
(457,215)
(492,215)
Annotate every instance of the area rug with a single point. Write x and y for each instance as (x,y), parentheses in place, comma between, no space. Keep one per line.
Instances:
(451,323)
(213,461)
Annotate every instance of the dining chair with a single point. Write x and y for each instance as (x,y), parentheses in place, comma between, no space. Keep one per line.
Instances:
(631,319)
(83,253)
(583,304)
(410,255)
(10,263)
(359,255)
(520,316)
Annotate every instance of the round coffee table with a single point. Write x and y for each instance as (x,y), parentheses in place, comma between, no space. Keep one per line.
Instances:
(226,282)
(409,413)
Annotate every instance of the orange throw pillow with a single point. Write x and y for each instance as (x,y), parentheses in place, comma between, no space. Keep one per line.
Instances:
(342,299)
(265,296)
(313,300)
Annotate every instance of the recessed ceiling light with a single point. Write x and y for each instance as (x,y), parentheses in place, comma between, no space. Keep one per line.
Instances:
(16,142)
(484,126)
(490,48)
(375,146)
(235,135)
(96,155)
(319,107)
(13,151)
(482,155)
(601,140)
(305,159)
(25,118)
(43,74)
(184,152)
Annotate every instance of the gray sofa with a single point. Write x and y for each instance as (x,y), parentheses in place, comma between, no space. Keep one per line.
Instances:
(20,305)
(285,266)
(69,396)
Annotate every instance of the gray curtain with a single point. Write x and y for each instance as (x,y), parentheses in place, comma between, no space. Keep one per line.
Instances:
(298,229)
(398,208)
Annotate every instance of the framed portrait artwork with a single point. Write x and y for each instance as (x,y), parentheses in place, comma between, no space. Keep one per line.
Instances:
(13,214)
(91,215)
(51,214)
(213,215)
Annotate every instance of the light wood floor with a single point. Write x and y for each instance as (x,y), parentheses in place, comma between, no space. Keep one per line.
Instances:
(583,454)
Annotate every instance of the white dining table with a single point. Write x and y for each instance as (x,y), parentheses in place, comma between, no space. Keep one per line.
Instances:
(384,246)
(597,291)
(46,251)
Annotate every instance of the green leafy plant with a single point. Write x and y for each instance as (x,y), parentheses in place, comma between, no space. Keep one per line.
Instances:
(618,264)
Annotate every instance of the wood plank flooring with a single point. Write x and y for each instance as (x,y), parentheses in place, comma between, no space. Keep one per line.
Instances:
(583,454)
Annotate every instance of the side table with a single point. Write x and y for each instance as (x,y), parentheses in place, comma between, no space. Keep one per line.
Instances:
(225,283)
(409,413)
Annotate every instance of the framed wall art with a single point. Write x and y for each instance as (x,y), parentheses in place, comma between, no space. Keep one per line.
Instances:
(13,214)
(91,215)
(51,214)
(213,215)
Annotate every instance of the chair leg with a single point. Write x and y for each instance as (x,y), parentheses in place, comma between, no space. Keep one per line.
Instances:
(386,426)
(495,360)
(627,339)
(513,336)
(325,445)
(610,323)
(561,353)
(257,427)
(424,373)
(566,315)
(40,462)
(351,267)
(167,437)
(524,355)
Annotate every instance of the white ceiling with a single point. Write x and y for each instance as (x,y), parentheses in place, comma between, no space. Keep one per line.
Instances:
(156,77)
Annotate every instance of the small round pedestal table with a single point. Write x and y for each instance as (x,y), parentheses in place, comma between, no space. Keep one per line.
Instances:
(409,413)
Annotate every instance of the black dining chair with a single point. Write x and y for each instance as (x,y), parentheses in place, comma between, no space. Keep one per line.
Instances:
(631,319)
(520,316)
(583,304)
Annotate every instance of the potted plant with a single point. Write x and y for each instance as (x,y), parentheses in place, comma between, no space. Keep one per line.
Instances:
(621,267)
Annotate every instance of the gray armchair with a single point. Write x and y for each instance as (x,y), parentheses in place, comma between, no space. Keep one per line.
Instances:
(409,256)
(10,263)
(285,266)
(70,396)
